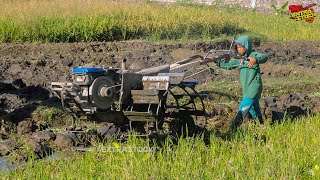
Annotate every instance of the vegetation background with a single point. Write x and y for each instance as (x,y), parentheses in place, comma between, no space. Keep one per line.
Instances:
(83,21)
(289,150)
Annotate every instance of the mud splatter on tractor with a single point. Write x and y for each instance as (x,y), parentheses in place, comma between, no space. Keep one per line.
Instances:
(143,100)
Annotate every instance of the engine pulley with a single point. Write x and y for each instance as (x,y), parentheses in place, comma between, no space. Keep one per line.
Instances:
(102,93)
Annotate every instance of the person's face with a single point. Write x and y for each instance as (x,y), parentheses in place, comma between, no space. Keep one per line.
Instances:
(241,50)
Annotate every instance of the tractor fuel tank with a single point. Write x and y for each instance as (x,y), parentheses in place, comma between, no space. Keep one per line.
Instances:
(86,75)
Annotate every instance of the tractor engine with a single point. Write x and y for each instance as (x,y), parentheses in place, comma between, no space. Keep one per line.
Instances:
(92,89)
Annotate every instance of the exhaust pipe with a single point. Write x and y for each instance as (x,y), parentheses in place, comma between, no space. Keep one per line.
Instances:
(123,65)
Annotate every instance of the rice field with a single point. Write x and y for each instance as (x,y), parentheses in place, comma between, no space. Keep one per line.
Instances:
(98,20)
(289,150)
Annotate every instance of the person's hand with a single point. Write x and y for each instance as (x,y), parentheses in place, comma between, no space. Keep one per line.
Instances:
(227,58)
(252,61)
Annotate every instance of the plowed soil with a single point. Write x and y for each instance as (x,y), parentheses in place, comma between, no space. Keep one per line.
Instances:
(26,71)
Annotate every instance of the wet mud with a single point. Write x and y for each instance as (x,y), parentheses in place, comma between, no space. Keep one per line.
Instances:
(26,70)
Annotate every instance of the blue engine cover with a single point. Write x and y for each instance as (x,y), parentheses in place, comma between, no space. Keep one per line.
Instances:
(87,70)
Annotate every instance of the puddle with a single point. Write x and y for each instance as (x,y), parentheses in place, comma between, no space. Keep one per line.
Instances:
(6,166)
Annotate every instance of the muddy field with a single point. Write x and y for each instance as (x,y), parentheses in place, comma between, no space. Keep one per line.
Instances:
(40,64)
(28,69)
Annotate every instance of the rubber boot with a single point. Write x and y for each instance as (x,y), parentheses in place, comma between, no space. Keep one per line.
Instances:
(237,121)
(260,120)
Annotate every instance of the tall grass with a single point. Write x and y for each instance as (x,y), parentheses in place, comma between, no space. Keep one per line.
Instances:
(304,84)
(289,150)
(98,20)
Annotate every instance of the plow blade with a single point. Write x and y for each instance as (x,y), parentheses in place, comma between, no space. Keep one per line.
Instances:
(141,116)
(70,100)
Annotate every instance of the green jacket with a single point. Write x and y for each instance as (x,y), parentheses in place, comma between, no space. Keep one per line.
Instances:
(250,78)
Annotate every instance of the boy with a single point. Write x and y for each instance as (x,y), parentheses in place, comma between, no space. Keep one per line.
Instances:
(249,77)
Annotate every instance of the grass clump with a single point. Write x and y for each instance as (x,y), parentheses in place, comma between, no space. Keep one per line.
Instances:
(77,21)
(227,90)
(50,116)
(282,151)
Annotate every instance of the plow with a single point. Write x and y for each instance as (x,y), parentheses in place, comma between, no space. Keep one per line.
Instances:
(144,100)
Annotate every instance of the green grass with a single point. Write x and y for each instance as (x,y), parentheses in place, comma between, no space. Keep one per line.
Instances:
(284,151)
(51,117)
(77,21)
(316,93)
(301,84)
(226,90)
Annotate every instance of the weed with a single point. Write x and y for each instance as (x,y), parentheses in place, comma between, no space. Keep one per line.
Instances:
(281,10)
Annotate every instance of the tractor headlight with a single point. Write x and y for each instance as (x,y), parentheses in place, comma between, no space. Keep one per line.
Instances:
(79,78)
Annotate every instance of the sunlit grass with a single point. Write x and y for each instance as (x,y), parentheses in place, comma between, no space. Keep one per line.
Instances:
(227,91)
(97,20)
(282,151)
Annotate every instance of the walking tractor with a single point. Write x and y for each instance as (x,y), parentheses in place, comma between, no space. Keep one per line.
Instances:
(143,100)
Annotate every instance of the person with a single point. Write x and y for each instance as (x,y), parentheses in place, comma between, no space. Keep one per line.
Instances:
(250,78)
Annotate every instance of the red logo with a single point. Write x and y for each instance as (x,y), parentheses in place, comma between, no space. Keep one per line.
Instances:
(298,12)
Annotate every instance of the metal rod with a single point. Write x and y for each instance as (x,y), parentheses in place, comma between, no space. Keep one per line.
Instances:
(234,38)
(197,72)
(124,65)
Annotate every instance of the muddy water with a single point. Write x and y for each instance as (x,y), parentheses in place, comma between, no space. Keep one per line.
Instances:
(6,166)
